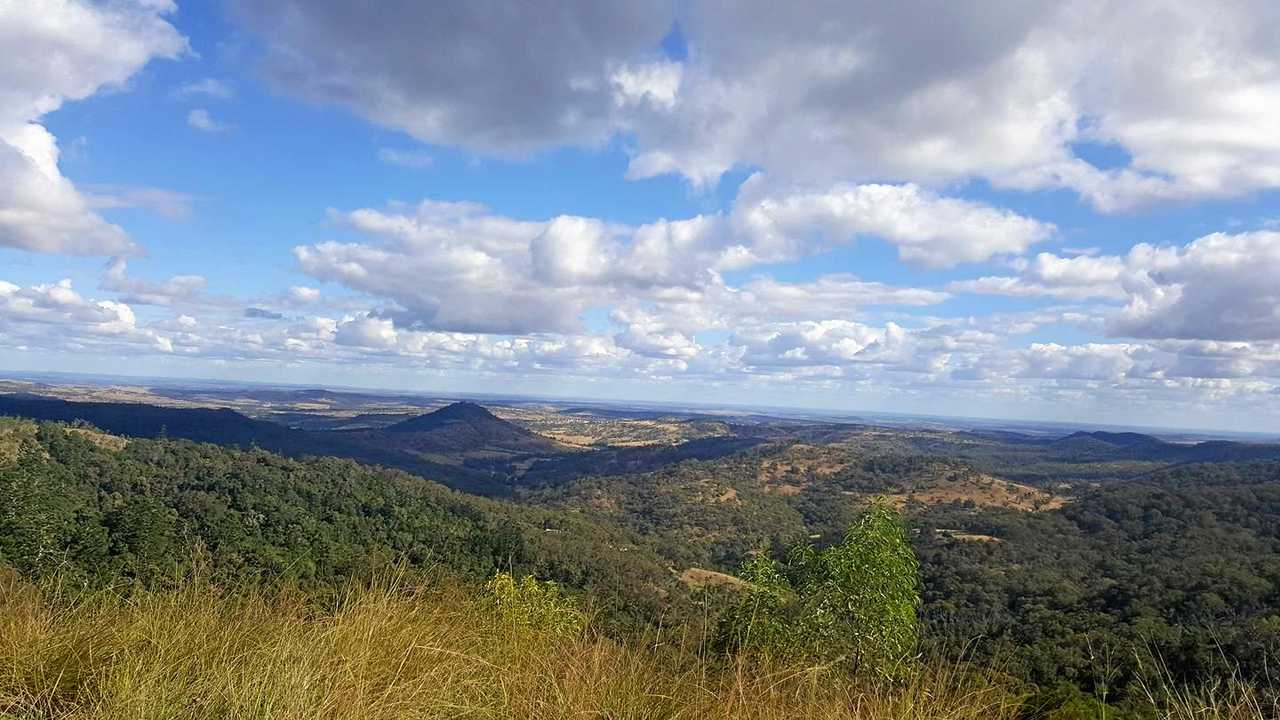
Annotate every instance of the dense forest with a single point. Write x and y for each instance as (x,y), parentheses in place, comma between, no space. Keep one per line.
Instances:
(1182,562)
(91,508)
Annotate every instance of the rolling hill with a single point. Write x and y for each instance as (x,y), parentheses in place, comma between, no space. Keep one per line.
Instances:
(1137,446)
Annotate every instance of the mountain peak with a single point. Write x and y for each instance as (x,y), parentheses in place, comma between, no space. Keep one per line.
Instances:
(459,412)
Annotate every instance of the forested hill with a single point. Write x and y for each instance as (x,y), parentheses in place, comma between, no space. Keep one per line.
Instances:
(459,428)
(463,424)
(1097,446)
(1184,561)
(96,507)
(227,427)
(215,425)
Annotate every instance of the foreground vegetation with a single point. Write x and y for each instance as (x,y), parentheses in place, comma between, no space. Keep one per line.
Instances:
(413,649)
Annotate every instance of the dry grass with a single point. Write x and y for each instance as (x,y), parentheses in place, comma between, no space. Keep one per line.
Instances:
(982,490)
(701,577)
(103,440)
(1229,698)
(391,651)
(399,650)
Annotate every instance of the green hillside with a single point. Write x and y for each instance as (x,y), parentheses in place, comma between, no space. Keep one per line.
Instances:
(82,509)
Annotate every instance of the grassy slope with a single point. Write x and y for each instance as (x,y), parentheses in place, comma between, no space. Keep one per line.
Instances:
(394,649)
(397,652)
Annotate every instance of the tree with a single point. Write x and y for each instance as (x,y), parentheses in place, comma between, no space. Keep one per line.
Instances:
(855,603)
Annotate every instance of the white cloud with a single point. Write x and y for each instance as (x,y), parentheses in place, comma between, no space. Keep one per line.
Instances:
(1073,278)
(448,266)
(861,92)
(201,120)
(55,314)
(916,92)
(828,296)
(927,229)
(304,295)
(60,51)
(650,335)
(654,83)
(458,267)
(1094,361)
(367,332)
(1219,287)
(177,289)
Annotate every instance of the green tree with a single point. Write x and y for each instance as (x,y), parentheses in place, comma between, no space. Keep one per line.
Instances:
(855,603)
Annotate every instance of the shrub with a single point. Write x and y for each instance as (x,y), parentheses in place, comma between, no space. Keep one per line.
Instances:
(529,602)
(854,603)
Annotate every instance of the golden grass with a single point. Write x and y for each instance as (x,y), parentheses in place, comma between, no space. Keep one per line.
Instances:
(398,649)
(395,651)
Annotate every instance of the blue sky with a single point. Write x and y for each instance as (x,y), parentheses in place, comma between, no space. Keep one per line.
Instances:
(999,211)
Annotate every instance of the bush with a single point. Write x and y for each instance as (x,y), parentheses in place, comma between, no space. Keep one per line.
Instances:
(853,604)
(529,602)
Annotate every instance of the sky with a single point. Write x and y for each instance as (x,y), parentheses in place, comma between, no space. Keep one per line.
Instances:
(1036,210)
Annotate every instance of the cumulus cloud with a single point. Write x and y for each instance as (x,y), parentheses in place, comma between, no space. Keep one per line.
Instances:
(1219,287)
(304,295)
(367,332)
(57,52)
(504,79)
(1167,371)
(177,289)
(1005,92)
(55,312)
(828,296)
(859,91)
(651,335)
(1093,361)
(1073,278)
(448,266)
(927,229)
(459,267)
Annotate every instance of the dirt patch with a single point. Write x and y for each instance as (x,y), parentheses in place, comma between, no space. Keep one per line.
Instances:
(981,490)
(602,502)
(101,439)
(785,475)
(730,495)
(700,578)
(968,537)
